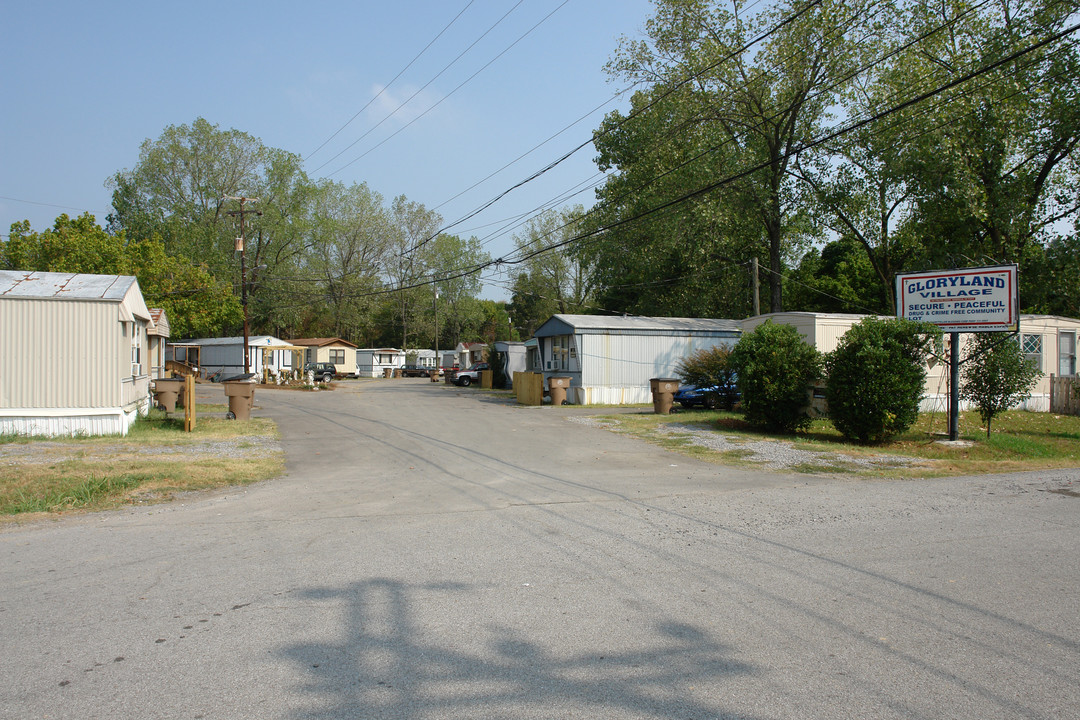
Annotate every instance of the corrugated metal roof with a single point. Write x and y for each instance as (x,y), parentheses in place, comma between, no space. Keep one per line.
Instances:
(588,324)
(64,286)
(253,341)
(321,342)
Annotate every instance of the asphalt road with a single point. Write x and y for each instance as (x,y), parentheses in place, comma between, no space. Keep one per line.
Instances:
(432,553)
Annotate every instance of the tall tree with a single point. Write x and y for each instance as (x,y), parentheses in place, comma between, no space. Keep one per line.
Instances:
(558,277)
(179,189)
(449,259)
(993,161)
(757,103)
(412,227)
(349,236)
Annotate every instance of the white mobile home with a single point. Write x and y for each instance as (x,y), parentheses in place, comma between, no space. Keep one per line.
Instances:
(221,358)
(374,362)
(73,353)
(513,356)
(610,360)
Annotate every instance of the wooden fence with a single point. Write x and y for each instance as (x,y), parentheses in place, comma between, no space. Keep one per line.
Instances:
(1065,395)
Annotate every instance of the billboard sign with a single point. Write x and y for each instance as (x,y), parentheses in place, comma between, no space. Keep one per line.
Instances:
(965,300)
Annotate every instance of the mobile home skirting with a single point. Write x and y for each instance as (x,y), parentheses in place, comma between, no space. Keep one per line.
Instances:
(54,422)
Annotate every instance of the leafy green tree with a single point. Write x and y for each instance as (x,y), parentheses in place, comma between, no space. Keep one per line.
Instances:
(876,377)
(775,368)
(196,302)
(993,169)
(412,226)
(348,246)
(557,277)
(449,259)
(77,245)
(996,375)
(838,278)
(753,109)
(530,306)
(179,190)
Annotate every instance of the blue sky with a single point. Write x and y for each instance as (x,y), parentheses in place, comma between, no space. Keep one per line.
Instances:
(84,84)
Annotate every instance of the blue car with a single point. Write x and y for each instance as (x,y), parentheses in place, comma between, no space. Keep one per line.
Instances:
(724,396)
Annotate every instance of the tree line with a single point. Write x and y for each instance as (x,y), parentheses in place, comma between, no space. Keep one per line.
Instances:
(323,259)
(840,142)
(834,142)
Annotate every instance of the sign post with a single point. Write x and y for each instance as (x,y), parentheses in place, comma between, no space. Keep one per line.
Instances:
(966,300)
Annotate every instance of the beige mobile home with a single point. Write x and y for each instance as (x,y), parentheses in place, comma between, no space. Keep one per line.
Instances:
(1047,339)
(158,338)
(73,353)
(341,353)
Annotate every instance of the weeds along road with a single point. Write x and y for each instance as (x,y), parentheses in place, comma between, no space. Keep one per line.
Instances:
(435,553)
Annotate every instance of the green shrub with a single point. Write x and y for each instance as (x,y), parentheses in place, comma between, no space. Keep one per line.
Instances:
(775,368)
(995,375)
(876,377)
(710,367)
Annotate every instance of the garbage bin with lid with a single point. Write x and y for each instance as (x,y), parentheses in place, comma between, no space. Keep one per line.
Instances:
(663,394)
(241,399)
(168,394)
(558,387)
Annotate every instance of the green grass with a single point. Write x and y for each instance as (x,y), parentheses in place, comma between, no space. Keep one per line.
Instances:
(1019,441)
(70,495)
(95,473)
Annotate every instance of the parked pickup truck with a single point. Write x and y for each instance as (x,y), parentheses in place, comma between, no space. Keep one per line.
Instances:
(465,378)
(415,371)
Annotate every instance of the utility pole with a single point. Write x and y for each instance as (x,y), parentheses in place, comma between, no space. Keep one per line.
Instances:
(435,305)
(243,268)
(756,284)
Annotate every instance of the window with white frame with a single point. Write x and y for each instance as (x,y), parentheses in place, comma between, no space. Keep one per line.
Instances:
(337,356)
(1066,353)
(136,349)
(1032,345)
(560,352)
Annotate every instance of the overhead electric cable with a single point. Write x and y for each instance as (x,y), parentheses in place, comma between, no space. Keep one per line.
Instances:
(627,119)
(447,95)
(409,99)
(386,87)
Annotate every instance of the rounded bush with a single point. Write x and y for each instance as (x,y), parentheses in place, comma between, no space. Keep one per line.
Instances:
(876,377)
(775,368)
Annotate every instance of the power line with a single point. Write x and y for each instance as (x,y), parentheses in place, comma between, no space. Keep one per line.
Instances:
(386,87)
(634,113)
(410,98)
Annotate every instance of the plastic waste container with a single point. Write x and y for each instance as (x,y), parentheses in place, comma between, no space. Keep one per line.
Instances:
(241,399)
(663,394)
(558,387)
(167,392)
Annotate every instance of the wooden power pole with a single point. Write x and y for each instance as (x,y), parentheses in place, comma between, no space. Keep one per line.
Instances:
(243,269)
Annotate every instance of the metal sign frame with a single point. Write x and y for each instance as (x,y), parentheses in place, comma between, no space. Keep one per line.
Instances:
(983,299)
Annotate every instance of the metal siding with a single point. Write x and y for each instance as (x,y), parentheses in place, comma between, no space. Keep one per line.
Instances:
(627,361)
(60,354)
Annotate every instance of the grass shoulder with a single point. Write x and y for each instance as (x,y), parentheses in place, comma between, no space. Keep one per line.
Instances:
(154,462)
(1020,441)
